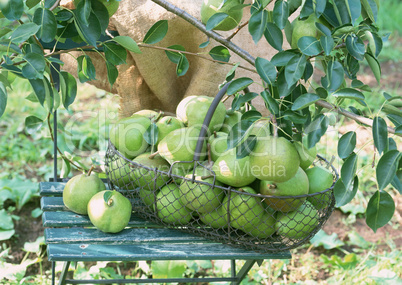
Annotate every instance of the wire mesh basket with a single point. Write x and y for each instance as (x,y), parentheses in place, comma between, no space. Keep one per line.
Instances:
(200,204)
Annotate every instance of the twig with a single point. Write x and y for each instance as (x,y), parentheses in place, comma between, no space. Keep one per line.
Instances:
(192,20)
(237,30)
(357,118)
(195,54)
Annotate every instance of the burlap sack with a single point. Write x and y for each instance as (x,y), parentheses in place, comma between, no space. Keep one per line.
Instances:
(149,80)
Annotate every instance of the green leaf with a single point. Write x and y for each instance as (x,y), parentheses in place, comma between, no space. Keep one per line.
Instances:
(112,73)
(3,99)
(157,32)
(68,88)
(151,134)
(355,47)
(34,67)
(374,66)
(115,54)
(294,70)
(182,66)
(24,32)
(6,222)
(274,36)
(238,133)
(397,183)
(86,69)
(281,13)
(282,58)
(387,167)
(251,115)
(257,24)
(215,20)
(369,7)
(342,12)
(204,44)
(380,134)
(335,75)
(247,97)
(246,147)
(316,129)
(346,144)
(168,268)
(46,20)
(354,8)
(220,53)
(232,72)
(327,44)
(304,101)
(128,43)
(349,93)
(107,195)
(307,9)
(348,170)
(266,70)
(295,117)
(325,240)
(38,85)
(344,195)
(90,32)
(12,9)
(380,210)
(270,102)
(6,235)
(238,85)
(101,13)
(33,124)
(173,55)
(309,46)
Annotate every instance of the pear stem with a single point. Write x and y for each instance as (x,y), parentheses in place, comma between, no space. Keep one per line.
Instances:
(330,163)
(209,153)
(90,170)
(169,120)
(206,177)
(215,134)
(225,99)
(275,124)
(160,115)
(152,156)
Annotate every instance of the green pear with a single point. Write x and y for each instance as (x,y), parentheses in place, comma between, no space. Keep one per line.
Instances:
(119,173)
(167,124)
(217,218)
(298,224)
(274,159)
(261,128)
(201,197)
(181,109)
(150,114)
(247,213)
(233,171)
(231,119)
(180,144)
(127,135)
(297,185)
(197,109)
(306,155)
(218,144)
(319,179)
(79,190)
(169,207)
(212,7)
(144,177)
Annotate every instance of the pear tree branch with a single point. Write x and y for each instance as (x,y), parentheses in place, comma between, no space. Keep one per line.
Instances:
(194,21)
(246,56)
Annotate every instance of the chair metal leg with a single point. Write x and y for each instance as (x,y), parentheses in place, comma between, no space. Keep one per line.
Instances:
(53,272)
(64,272)
(243,271)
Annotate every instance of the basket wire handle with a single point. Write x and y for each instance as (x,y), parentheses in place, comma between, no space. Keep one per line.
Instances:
(207,120)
